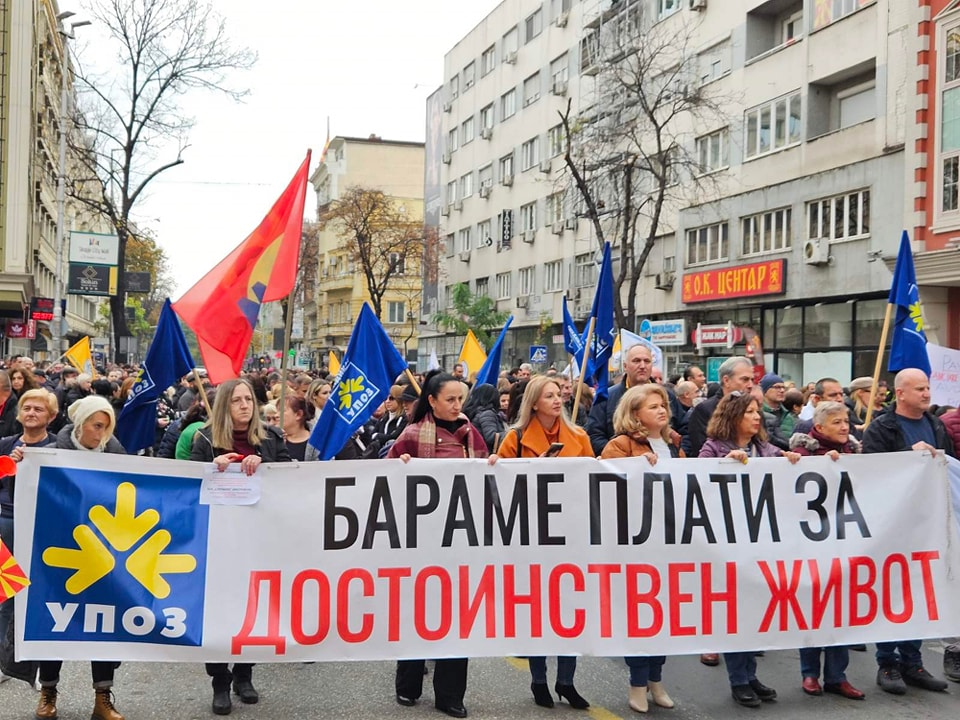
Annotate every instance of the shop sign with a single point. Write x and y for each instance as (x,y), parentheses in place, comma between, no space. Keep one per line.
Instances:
(716,335)
(764,278)
(664,332)
(41,308)
(94,248)
(19,329)
(92,280)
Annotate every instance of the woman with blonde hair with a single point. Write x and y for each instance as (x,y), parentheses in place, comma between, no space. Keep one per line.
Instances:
(543,429)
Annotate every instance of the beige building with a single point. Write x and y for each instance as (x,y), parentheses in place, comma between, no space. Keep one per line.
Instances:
(396,169)
(32,52)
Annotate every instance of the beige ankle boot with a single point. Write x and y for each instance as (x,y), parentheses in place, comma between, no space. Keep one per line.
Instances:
(659,695)
(47,705)
(638,699)
(103,708)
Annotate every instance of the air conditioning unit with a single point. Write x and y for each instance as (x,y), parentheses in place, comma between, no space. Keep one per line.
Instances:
(545,167)
(816,251)
(570,223)
(458,205)
(557,228)
(528,236)
(664,280)
(576,295)
(487,241)
(486,133)
(511,57)
(465,256)
(523,301)
(507,180)
(447,106)
(559,87)
(484,191)
(562,18)
(698,4)
(446,158)
(445,210)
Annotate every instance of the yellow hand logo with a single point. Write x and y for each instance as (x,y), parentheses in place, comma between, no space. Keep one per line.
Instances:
(347,388)
(122,530)
(916,316)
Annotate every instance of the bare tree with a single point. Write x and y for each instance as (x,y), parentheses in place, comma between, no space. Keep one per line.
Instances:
(380,238)
(131,117)
(631,155)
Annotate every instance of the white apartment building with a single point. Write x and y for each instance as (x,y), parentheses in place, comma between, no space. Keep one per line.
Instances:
(797,192)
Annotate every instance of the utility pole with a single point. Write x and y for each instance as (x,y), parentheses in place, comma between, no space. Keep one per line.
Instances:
(57,329)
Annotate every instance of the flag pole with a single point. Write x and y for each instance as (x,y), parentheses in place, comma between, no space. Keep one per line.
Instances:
(412,379)
(586,358)
(285,358)
(202,392)
(879,364)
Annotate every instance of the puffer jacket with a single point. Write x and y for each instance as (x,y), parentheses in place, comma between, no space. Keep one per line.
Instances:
(271,449)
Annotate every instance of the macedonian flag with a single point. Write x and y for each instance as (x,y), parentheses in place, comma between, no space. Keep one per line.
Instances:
(12,577)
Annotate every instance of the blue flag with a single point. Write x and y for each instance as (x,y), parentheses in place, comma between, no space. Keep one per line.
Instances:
(490,371)
(604,334)
(573,341)
(168,360)
(908,349)
(367,371)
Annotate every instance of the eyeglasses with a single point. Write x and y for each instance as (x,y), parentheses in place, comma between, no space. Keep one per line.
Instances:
(777,387)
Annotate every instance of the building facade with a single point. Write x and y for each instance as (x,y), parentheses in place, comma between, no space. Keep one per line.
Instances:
(394,168)
(784,224)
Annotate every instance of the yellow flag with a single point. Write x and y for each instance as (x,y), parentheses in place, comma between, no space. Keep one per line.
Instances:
(472,355)
(615,364)
(79,356)
(333,365)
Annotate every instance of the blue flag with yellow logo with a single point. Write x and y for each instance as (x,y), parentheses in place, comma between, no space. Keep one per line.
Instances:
(490,370)
(604,333)
(168,360)
(573,341)
(367,371)
(908,349)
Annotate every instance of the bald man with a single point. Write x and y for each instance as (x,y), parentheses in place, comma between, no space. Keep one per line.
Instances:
(907,425)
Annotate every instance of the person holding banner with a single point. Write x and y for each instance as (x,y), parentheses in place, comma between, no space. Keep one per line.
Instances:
(544,430)
(437,429)
(736,431)
(642,426)
(483,409)
(234,434)
(93,423)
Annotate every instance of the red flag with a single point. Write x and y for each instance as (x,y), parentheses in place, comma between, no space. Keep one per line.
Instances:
(223,306)
(12,577)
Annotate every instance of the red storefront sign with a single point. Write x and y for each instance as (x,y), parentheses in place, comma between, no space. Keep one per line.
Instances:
(716,335)
(18,329)
(765,278)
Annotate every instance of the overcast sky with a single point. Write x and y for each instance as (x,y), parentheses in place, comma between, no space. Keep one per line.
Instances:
(368,66)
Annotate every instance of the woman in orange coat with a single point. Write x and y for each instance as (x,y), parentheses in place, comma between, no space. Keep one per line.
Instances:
(544,430)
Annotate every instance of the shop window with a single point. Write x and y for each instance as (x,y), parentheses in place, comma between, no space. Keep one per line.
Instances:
(826,326)
(789,327)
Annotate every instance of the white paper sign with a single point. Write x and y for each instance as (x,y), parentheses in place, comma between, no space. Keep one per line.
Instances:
(230,487)
(944,375)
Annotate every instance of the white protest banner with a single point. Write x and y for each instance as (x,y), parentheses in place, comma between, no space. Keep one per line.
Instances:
(377,559)
(944,375)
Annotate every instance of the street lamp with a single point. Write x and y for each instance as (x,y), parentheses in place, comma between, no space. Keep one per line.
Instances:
(413,329)
(57,329)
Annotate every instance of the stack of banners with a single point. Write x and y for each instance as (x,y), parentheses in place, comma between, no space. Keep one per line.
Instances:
(134,558)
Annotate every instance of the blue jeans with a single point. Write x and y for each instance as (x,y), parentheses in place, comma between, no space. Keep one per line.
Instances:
(645,669)
(835,660)
(6,608)
(741,667)
(909,654)
(566,667)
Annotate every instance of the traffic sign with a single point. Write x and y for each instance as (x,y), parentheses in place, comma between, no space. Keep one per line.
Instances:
(538,353)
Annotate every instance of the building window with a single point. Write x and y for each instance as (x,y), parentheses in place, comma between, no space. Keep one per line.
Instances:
(531,89)
(949,135)
(503,286)
(553,276)
(486,117)
(449,244)
(712,151)
(715,62)
(767,232)
(511,41)
(469,75)
(482,287)
(559,71)
(554,208)
(464,240)
(530,153)
(773,126)
(527,281)
(829,11)
(508,104)
(589,52)
(528,216)
(951,183)
(556,141)
(707,244)
(454,87)
(486,176)
(506,167)
(484,236)
(842,217)
(466,131)
(584,271)
(397,261)
(488,60)
(396,311)
(533,26)
(451,192)
(466,185)
(668,7)
(452,142)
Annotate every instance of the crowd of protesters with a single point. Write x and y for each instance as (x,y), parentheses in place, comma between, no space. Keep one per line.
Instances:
(265,417)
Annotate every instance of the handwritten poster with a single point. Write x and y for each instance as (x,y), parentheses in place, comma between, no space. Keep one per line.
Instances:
(944,375)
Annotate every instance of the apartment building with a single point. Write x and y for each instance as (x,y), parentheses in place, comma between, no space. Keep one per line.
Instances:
(30,80)
(394,168)
(780,228)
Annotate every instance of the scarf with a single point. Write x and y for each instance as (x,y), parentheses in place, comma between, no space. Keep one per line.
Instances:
(427,438)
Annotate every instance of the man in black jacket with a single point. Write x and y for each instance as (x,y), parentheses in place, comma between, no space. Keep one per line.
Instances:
(637,366)
(907,425)
(736,373)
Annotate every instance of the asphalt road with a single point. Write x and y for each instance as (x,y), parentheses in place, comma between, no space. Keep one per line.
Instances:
(498,689)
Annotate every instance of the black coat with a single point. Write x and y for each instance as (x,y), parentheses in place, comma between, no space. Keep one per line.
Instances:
(271,449)
(9,425)
(490,425)
(697,419)
(884,434)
